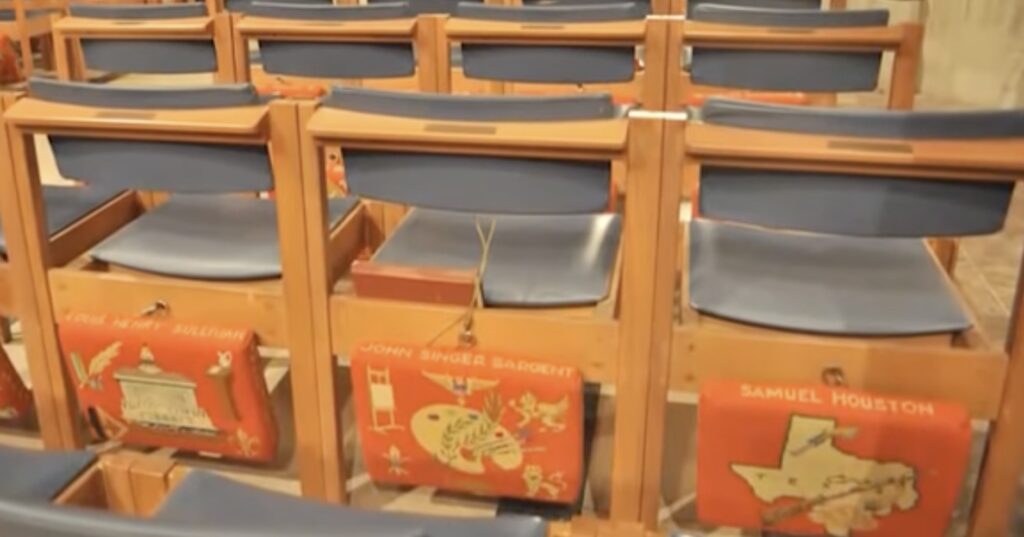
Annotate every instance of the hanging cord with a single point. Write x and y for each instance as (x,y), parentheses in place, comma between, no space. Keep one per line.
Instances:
(466,336)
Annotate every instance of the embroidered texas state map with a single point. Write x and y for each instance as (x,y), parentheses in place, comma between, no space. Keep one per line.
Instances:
(842,492)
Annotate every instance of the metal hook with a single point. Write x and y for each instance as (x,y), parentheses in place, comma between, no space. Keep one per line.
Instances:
(467,338)
(834,377)
(157,307)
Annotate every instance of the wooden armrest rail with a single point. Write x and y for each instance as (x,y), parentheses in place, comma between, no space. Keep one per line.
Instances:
(705,34)
(602,33)
(601,136)
(186,28)
(384,30)
(955,159)
(37,115)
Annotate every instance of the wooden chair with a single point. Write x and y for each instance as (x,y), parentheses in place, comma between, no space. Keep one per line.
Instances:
(76,217)
(202,258)
(23,21)
(431,16)
(764,51)
(794,199)
(549,158)
(325,44)
(147,39)
(787,51)
(559,49)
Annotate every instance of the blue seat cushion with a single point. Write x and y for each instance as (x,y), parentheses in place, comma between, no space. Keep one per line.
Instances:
(205,237)
(9,14)
(203,499)
(39,475)
(65,205)
(535,261)
(827,284)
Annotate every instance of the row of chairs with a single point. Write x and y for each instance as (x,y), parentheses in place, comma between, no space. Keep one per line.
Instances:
(804,255)
(23,20)
(660,63)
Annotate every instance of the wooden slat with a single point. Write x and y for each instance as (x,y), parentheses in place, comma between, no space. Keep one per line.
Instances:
(148,478)
(118,482)
(301,306)
(664,269)
(357,128)
(961,375)
(707,34)
(256,306)
(86,490)
(346,241)
(35,114)
(389,30)
(8,307)
(594,33)
(89,230)
(323,391)
(183,28)
(636,358)
(1001,157)
(224,49)
(589,344)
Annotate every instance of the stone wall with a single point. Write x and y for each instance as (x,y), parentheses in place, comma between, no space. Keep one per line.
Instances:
(974,49)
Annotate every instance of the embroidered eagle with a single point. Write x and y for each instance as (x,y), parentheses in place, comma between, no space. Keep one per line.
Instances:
(460,387)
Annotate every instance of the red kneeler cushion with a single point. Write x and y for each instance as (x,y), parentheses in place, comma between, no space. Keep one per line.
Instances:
(150,381)
(817,460)
(469,421)
(15,399)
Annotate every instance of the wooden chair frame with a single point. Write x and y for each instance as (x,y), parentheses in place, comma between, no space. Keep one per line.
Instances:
(648,86)
(23,29)
(905,41)
(600,341)
(69,31)
(17,296)
(123,482)
(965,370)
(423,32)
(277,310)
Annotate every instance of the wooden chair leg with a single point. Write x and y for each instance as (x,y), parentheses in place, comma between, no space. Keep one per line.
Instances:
(46,53)
(6,335)
(946,250)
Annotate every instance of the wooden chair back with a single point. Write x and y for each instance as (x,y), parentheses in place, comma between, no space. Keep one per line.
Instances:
(967,150)
(323,44)
(558,49)
(147,39)
(445,131)
(751,49)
